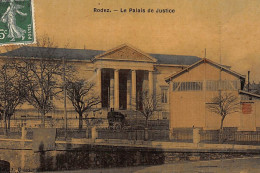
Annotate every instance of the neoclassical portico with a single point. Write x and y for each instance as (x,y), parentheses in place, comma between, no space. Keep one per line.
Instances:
(122,74)
(120,88)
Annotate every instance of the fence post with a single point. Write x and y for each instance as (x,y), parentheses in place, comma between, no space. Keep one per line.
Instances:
(196,135)
(87,132)
(171,134)
(146,135)
(24,132)
(94,133)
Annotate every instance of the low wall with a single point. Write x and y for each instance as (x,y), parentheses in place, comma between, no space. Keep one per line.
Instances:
(71,156)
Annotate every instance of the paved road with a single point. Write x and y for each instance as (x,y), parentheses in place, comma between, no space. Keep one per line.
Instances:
(107,170)
(240,165)
(243,165)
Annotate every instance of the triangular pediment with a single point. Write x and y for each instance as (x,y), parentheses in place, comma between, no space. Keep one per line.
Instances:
(125,53)
(205,60)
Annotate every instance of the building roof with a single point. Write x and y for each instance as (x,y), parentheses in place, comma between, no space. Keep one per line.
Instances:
(40,52)
(249,94)
(204,60)
(88,54)
(175,59)
(254,88)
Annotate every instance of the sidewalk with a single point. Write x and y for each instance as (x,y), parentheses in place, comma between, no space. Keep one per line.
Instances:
(105,170)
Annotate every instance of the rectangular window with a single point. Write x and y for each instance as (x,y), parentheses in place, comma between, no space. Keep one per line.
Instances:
(225,85)
(187,86)
(164,95)
(175,85)
(212,85)
(236,84)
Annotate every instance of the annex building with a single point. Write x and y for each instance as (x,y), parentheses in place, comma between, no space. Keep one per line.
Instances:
(120,75)
(194,87)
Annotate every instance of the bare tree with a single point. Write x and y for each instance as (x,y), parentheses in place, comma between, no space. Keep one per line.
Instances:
(149,104)
(42,83)
(224,105)
(12,91)
(82,96)
(42,75)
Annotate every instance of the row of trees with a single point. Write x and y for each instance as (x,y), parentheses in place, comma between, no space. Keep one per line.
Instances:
(11,91)
(39,81)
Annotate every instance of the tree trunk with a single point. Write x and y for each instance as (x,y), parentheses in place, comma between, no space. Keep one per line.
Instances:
(146,122)
(221,137)
(9,121)
(5,125)
(43,119)
(80,121)
(221,131)
(221,124)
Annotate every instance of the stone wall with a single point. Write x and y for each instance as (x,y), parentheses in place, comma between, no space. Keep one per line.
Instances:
(74,156)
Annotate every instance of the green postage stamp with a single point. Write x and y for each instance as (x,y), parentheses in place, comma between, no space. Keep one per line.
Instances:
(17,22)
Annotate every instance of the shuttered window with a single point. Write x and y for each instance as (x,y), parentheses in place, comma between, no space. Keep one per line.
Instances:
(187,86)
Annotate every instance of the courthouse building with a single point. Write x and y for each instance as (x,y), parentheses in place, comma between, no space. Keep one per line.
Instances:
(120,74)
(185,85)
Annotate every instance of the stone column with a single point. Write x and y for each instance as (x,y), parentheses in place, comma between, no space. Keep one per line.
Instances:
(128,100)
(150,78)
(133,98)
(99,85)
(116,91)
(112,89)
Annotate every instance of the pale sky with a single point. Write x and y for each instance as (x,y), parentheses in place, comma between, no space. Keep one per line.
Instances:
(227,25)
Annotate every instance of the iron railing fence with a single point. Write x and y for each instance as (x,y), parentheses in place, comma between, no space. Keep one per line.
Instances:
(178,135)
(73,123)
(182,134)
(159,135)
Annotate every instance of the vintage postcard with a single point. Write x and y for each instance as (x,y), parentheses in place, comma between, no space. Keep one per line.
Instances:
(129,86)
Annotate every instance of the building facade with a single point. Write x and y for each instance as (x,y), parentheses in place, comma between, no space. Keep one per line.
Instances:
(120,75)
(193,88)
